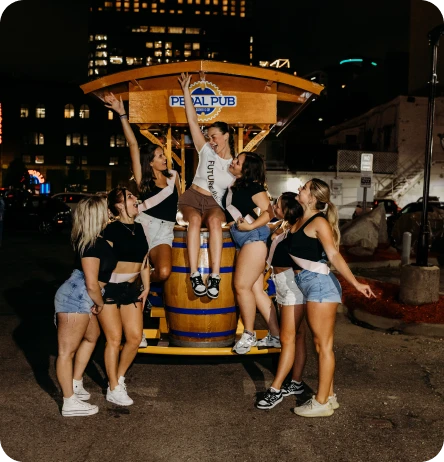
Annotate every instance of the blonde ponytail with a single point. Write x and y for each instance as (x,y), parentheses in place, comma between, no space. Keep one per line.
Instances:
(333,219)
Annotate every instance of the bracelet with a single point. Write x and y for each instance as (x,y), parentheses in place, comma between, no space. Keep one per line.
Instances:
(123,115)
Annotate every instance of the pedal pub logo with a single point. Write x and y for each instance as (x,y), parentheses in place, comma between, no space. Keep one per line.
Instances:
(207,99)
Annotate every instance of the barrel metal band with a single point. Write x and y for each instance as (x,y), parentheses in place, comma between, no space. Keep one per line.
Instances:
(187,269)
(174,309)
(202,334)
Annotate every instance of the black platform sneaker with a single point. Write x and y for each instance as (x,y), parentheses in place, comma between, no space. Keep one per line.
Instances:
(213,286)
(198,285)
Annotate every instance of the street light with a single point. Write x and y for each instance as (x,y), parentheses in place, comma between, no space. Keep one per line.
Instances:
(424,230)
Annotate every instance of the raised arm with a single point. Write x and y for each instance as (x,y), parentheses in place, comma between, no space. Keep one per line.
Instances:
(193,123)
(116,105)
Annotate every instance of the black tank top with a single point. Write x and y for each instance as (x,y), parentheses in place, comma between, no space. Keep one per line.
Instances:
(167,209)
(281,256)
(303,246)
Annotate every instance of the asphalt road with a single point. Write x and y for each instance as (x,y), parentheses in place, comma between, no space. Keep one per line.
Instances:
(390,388)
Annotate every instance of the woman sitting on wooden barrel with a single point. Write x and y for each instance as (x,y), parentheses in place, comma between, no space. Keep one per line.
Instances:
(314,240)
(202,202)
(159,190)
(124,298)
(291,301)
(250,232)
(79,300)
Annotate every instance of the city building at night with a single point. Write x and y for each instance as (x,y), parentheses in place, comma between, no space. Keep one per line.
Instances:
(132,33)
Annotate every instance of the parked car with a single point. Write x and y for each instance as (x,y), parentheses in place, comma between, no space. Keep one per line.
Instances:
(37,212)
(70,198)
(409,219)
(391,207)
(431,199)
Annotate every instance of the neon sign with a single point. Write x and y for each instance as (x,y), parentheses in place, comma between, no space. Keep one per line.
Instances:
(207,99)
(37,175)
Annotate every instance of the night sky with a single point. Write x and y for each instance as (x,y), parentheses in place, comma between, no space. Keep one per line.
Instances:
(48,39)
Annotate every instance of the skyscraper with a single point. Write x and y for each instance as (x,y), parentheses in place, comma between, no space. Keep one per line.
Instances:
(124,34)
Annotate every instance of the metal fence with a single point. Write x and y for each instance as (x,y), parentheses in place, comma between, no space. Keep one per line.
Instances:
(383,162)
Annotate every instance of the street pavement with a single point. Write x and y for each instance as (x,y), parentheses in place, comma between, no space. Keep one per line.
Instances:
(390,388)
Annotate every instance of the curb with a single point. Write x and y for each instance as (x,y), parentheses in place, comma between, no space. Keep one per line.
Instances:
(391,326)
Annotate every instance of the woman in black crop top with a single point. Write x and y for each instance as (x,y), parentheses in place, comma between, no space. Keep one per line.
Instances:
(315,239)
(291,302)
(124,298)
(79,300)
(159,190)
(250,232)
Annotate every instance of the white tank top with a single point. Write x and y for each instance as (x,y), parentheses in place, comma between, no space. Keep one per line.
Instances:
(212,173)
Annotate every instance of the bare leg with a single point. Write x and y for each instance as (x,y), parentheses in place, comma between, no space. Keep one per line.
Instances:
(132,320)
(86,348)
(111,322)
(213,220)
(321,319)
(194,219)
(71,328)
(301,352)
(265,306)
(291,317)
(161,258)
(249,266)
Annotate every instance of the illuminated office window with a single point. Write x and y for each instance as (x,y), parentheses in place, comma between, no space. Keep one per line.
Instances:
(138,61)
(224,2)
(68,139)
(85,139)
(129,61)
(91,38)
(158,44)
(187,53)
(126,4)
(168,45)
(207,12)
(192,30)
(154,6)
(144,5)
(187,46)
(197,12)
(40,159)
(233,14)
(251,39)
(69,111)
(143,28)
(120,141)
(162,1)
(196,46)
(172,11)
(215,2)
(115,59)
(113,160)
(179,11)
(76,139)
(84,111)
(161,11)
(175,30)
(101,62)
(39,139)
(109,4)
(100,37)
(24,111)
(110,115)
(180,2)
(149,61)
(40,111)
(69,160)
(112,142)
(158,53)
(90,72)
(84,160)
(224,9)
(190,2)
(197,2)
(157,29)
(118,4)
(101,46)
(242,15)
(101,54)
(149,44)
(169,53)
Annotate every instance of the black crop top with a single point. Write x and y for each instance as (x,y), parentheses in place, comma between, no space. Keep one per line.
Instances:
(167,209)
(104,252)
(126,245)
(303,246)
(281,256)
(242,200)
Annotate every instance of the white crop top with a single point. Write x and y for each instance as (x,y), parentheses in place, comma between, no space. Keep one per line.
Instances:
(212,173)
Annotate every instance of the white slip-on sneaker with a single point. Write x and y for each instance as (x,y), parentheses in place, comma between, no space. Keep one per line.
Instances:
(313,408)
(73,407)
(79,391)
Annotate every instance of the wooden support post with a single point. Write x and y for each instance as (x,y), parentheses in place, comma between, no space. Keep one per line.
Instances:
(182,156)
(151,137)
(240,139)
(256,140)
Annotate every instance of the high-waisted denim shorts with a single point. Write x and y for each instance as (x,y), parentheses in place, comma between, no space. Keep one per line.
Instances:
(72,296)
(319,287)
(156,231)
(241,238)
(287,291)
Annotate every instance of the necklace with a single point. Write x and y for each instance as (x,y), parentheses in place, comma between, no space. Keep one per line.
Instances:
(223,165)
(132,231)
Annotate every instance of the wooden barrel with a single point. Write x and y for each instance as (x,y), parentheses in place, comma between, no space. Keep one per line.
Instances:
(200,321)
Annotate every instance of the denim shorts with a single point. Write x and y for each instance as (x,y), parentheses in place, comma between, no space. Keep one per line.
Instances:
(287,291)
(318,287)
(72,296)
(123,293)
(241,238)
(158,231)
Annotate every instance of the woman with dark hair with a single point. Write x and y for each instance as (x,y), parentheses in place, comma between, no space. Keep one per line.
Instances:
(315,239)
(124,298)
(79,300)
(250,232)
(291,301)
(159,190)
(202,202)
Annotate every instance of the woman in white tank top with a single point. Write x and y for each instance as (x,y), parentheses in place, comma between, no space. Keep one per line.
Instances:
(201,203)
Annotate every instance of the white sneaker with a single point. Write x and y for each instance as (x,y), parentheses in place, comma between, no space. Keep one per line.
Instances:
(119,395)
(79,391)
(245,343)
(143,342)
(73,407)
(313,408)
(333,400)
(269,341)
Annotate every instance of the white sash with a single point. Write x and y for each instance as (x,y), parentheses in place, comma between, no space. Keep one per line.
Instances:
(274,244)
(117,278)
(235,212)
(313,266)
(161,195)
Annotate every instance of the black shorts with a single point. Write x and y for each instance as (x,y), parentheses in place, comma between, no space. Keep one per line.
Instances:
(124,293)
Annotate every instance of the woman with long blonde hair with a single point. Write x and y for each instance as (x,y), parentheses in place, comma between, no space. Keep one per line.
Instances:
(78,302)
(315,241)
